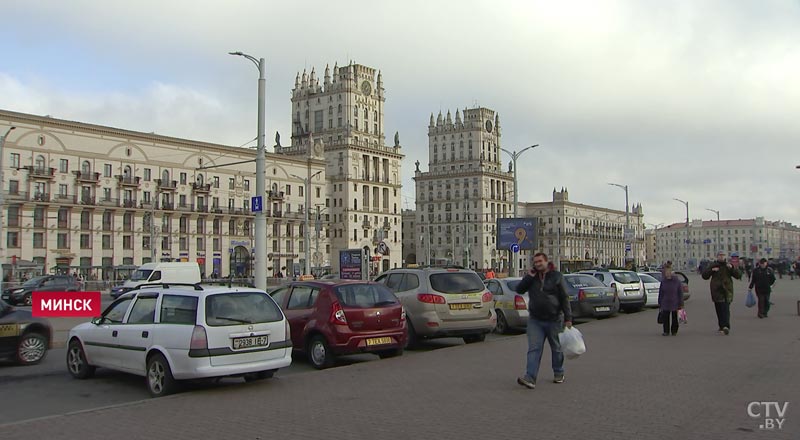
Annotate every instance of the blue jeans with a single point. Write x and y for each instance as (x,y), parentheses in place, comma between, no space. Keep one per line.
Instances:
(537,332)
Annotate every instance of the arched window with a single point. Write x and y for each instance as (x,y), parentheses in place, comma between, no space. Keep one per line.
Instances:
(275,188)
(355,111)
(376,115)
(127,171)
(40,162)
(86,168)
(200,179)
(366,114)
(340,108)
(165,176)
(355,204)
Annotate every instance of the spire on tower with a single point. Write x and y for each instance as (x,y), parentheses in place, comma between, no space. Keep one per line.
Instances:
(431,124)
(304,82)
(297,81)
(449,118)
(458,117)
(439,119)
(327,74)
(336,72)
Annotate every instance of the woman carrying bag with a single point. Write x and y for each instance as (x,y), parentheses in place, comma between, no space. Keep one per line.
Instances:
(670,300)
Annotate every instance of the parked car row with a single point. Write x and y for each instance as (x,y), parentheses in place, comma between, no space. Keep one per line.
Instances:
(23,295)
(23,338)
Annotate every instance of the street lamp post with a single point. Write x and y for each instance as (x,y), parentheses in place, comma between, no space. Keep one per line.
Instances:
(687,230)
(514,156)
(307,186)
(2,201)
(317,227)
(260,276)
(719,244)
(626,235)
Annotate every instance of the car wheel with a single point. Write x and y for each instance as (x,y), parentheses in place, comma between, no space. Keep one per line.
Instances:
(502,323)
(471,339)
(159,376)
(261,375)
(77,365)
(31,349)
(387,354)
(319,353)
(29,299)
(412,340)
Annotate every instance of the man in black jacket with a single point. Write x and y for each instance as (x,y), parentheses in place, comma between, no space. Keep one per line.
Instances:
(548,305)
(763,279)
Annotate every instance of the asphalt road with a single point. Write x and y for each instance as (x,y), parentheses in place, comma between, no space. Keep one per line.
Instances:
(48,389)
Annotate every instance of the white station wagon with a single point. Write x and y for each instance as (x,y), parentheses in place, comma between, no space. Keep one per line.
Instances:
(173,332)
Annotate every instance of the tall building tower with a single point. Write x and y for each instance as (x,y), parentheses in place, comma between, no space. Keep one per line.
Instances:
(341,118)
(464,191)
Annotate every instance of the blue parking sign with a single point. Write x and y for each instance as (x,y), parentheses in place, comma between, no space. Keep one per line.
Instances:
(257,204)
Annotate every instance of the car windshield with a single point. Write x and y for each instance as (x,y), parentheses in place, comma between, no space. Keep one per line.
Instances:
(657,275)
(648,279)
(365,295)
(241,308)
(626,277)
(581,281)
(33,281)
(457,282)
(141,275)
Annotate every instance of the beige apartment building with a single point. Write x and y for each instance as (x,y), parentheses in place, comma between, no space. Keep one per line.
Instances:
(86,198)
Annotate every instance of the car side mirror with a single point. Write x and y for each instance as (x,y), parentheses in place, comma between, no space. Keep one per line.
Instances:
(97,321)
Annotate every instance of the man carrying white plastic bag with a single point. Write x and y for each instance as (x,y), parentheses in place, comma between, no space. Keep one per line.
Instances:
(572,343)
(549,313)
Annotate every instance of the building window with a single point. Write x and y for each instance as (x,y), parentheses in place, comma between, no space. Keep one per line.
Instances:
(184,244)
(147,174)
(107,170)
(127,242)
(217,245)
(231,183)
(182,200)
(301,191)
(127,222)
(38,240)
(62,191)
(201,245)
(107,194)
(63,219)
(15,160)
(288,190)
(216,182)
(247,184)
(86,242)
(63,166)
(166,243)
(146,243)
(107,242)
(62,241)
(13,186)
(86,220)
(12,239)
(183,178)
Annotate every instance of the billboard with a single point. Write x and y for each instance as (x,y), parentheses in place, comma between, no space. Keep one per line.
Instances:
(350,267)
(519,231)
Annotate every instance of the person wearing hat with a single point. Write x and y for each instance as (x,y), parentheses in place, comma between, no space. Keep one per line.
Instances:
(763,279)
(721,273)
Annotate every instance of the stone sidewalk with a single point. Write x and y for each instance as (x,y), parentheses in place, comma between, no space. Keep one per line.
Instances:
(631,384)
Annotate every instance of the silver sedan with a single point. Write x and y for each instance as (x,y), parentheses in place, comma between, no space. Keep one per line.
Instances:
(511,307)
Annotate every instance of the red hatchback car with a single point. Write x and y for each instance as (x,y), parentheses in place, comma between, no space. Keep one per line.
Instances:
(329,318)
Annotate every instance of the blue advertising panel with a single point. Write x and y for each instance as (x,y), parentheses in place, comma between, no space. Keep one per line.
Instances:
(519,231)
(350,267)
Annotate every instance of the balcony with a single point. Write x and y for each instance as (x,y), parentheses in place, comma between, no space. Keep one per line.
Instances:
(83,200)
(129,203)
(148,205)
(16,195)
(366,224)
(239,211)
(166,206)
(41,197)
(81,177)
(166,185)
(216,210)
(129,181)
(275,214)
(41,173)
(108,202)
(387,225)
(276,195)
(201,188)
(185,207)
(201,208)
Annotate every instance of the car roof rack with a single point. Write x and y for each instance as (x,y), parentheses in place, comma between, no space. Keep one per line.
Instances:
(168,285)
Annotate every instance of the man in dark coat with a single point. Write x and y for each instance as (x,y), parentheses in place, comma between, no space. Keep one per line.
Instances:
(548,313)
(763,279)
(721,273)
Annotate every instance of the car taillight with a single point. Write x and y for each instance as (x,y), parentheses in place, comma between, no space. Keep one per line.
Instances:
(403,315)
(519,303)
(581,295)
(487,297)
(199,338)
(337,315)
(685,288)
(430,298)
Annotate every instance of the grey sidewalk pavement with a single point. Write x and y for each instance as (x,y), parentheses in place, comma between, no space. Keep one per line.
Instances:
(632,383)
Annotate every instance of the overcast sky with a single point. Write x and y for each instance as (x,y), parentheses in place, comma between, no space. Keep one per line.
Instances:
(698,100)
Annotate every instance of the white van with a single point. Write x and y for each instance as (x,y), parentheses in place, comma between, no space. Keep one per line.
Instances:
(185,273)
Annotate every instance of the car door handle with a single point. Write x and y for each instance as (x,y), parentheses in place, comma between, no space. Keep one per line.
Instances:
(114,333)
(145,334)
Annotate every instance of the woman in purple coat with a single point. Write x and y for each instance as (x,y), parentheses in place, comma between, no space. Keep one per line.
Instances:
(670,300)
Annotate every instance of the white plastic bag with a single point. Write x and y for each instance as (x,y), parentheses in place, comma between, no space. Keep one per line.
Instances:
(572,344)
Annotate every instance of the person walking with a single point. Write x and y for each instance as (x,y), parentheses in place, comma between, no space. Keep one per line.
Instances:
(549,312)
(763,279)
(721,273)
(670,300)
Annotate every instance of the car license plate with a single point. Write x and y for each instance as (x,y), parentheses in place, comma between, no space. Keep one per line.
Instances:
(602,309)
(461,306)
(255,341)
(378,341)
(6,296)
